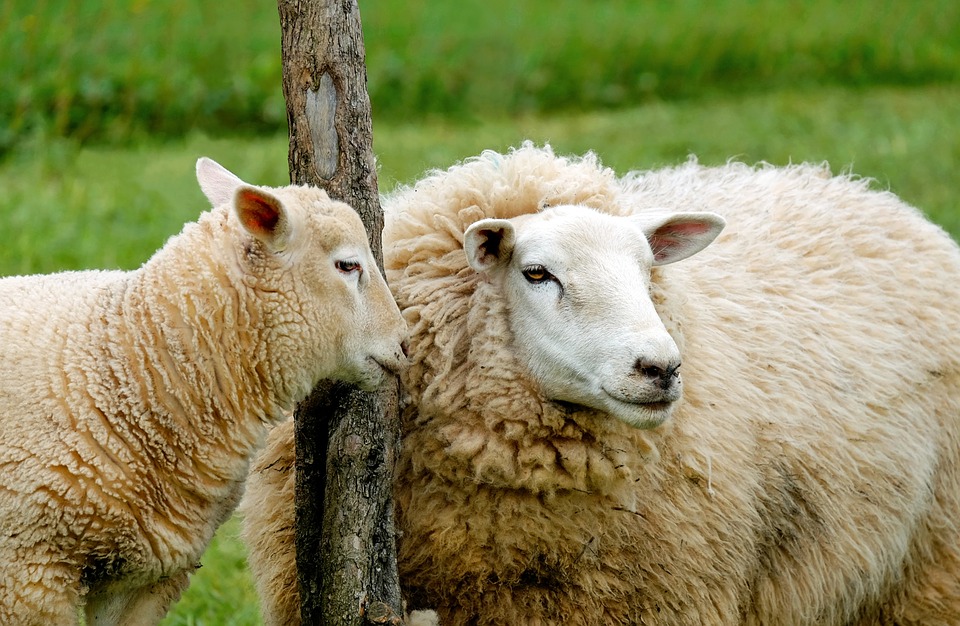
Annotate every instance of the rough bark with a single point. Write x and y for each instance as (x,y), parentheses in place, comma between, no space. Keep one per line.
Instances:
(346,554)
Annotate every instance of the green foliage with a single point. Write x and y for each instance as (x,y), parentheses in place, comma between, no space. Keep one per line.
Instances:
(65,207)
(117,69)
(501,56)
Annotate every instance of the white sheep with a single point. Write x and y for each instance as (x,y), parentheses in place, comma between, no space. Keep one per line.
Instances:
(132,402)
(555,469)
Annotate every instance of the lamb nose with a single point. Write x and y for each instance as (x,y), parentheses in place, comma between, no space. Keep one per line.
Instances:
(662,374)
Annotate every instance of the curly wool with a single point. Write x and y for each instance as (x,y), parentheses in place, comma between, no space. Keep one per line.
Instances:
(809,475)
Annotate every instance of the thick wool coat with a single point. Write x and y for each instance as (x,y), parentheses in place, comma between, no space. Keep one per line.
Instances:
(809,474)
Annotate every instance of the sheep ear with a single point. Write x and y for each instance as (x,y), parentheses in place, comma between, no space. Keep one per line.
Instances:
(263,216)
(488,243)
(677,236)
(217,182)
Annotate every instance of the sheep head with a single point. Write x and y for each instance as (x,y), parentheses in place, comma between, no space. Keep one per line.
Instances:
(325,309)
(577,285)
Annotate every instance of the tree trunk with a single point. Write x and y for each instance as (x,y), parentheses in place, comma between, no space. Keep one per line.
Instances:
(346,553)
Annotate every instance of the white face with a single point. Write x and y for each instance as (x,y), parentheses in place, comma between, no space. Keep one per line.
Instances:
(577,284)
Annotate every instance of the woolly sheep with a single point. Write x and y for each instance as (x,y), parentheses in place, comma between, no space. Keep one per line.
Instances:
(131,402)
(808,474)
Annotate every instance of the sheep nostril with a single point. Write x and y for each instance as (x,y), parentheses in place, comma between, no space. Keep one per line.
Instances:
(662,374)
(405,348)
(651,371)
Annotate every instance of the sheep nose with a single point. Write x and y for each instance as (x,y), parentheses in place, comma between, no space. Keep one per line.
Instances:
(662,374)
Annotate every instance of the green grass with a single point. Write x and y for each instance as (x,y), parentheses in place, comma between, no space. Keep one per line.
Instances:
(66,208)
(115,70)
(501,56)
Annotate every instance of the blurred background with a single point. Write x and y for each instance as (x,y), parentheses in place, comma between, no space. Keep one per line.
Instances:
(105,106)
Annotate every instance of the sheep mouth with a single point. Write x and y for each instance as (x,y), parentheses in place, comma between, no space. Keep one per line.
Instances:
(637,413)
(657,403)
(377,363)
(371,373)
(641,410)
(392,367)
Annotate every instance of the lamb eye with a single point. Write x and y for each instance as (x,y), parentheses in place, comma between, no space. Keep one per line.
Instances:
(536,274)
(349,266)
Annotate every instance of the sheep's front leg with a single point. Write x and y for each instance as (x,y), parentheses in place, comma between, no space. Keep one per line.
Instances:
(143,606)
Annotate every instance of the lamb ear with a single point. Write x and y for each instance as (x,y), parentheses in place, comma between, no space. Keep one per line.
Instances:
(263,216)
(489,243)
(674,237)
(217,182)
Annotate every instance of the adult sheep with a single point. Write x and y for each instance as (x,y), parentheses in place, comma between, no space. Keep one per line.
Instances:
(551,470)
(132,402)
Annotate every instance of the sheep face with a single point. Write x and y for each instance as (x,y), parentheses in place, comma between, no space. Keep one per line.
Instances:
(577,286)
(325,306)
(355,325)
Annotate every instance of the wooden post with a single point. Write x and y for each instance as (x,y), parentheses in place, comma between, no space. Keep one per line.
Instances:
(346,553)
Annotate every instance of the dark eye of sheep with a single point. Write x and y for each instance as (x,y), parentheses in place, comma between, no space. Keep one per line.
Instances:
(536,274)
(349,266)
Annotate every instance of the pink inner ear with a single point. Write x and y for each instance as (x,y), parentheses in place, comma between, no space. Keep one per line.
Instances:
(682,229)
(667,239)
(258,214)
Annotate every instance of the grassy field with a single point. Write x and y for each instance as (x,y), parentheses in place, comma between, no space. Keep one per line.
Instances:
(65,207)
(119,69)
(106,107)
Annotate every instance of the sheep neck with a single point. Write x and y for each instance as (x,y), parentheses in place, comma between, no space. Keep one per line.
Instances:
(190,338)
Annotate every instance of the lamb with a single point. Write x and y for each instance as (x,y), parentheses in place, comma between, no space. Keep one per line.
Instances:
(779,444)
(131,403)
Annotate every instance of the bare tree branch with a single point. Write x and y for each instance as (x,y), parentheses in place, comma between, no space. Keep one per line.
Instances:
(346,553)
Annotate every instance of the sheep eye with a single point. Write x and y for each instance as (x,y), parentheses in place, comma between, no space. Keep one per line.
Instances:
(348,267)
(536,274)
